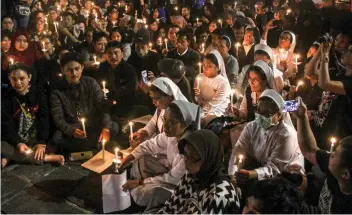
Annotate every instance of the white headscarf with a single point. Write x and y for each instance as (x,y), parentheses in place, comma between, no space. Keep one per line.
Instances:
(264,48)
(169,87)
(293,43)
(191,114)
(220,62)
(269,73)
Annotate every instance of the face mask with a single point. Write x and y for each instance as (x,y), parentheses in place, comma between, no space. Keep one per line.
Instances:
(264,122)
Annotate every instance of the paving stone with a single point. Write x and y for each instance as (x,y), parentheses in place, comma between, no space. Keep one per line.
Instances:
(60,182)
(34,201)
(11,185)
(33,173)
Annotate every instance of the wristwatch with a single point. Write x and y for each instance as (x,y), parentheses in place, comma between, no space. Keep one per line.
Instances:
(325,59)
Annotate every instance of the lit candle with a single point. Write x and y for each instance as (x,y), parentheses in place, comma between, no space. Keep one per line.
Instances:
(113,23)
(197,20)
(11,61)
(200,67)
(95,60)
(104,89)
(126,8)
(150,45)
(198,82)
(84,126)
(176,8)
(116,154)
(44,50)
(220,22)
(300,83)
(165,40)
(333,141)
(131,129)
(237,45)
(103,146)
(297,56)
(136,15)
(146,26)
(28,151)
(203,47)
(288,11)
(235,4)
(144,21)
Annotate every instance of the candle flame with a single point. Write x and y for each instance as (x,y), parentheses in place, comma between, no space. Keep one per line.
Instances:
(238,45)
(117,150)
(333,140)
(103,82)
(28,151)
(300,83)
(199,64)
(130,123)
(83,120)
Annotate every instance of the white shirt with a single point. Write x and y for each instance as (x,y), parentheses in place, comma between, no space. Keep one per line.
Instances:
(155,125)
(161,144)
(273,149)
(183,53)
(214,95)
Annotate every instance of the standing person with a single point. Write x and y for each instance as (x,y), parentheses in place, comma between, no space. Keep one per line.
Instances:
(336,194)
(80,97)
(25,123)
(205,188)
(231,64)
(246,50)
(7,23)
(156,176)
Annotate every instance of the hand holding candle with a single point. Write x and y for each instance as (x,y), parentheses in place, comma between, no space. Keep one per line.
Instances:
(131,130)
(200,67)
(300,83)
(103,148)
(220,22)
(83,120)
(237,46)
(11,61)
(233,91)
(165,40)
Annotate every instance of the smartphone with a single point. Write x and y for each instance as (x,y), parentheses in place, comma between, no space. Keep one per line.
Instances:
(290,106)
(145,76)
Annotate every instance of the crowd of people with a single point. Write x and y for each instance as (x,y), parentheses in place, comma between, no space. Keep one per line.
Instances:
(216,76)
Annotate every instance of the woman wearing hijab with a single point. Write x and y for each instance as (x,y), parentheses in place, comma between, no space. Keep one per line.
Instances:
(212,88)
(268,141)
(162,91)
(205,188)
(157,165)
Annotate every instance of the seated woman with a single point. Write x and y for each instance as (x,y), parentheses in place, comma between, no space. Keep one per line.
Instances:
(212,89)
(25,121)
(162,91)
(157,165)
(205,188)
(231,64)
(268,141)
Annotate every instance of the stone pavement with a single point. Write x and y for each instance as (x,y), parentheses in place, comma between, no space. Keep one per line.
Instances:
(52,189)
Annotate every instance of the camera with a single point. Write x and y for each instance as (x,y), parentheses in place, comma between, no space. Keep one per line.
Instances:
(325,38)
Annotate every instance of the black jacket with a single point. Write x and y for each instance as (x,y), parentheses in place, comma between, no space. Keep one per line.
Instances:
(191,59)
(36,102)
(69,103)
(149,63)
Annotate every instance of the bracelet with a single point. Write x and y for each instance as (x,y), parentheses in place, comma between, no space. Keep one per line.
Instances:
(325,59)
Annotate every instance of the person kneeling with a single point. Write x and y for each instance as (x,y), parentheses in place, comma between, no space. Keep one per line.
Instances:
(25,121)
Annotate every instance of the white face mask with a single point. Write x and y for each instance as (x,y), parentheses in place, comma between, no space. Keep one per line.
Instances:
(263,121)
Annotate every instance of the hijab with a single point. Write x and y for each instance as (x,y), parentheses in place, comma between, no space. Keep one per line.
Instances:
(269,73)
(207,145)
(169,87)
(220,62)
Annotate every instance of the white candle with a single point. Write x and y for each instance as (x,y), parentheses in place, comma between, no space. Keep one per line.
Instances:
(144,21)
(56,25)
(126,8)
(220,22)
(166,45)
(146,26)
(333,141)
(131,130)
(300,83)
(176,8)
(44,50)
(198,83)
(84,126)
(116,154)
(197,20)
(237,46)
(150,46)
(240,158)
(233,91)
(288,11)
(104,89)
(235,4)
(11,61)
(297,56)
(200,67)
(95,59)
(203,47)
(103,149)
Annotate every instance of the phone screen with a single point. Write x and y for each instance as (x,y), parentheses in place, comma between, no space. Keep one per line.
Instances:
(145,76)
(290,106)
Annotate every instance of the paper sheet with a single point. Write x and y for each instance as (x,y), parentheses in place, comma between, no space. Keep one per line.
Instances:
(114,198)
(144,119)
(318,1)
(97,164)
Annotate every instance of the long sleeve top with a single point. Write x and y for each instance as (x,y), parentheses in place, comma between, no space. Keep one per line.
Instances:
(272,149)
(66,107)
(34,103)
(155,125)
(218,198)
(161,144)
(214,95)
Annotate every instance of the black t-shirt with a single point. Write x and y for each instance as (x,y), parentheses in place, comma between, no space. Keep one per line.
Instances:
(331,199)
(334,115)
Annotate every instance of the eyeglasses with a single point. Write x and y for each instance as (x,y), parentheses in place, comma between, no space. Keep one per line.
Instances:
(284,38)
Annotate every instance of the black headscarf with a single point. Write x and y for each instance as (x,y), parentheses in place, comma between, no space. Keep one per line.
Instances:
(208,147)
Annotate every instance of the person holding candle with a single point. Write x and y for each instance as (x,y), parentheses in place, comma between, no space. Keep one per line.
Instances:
(205,188)
(336,194)
(213,92)
(25,123)
(246,50)
(162,92)
(268,140)
(79,97)
(157,165)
